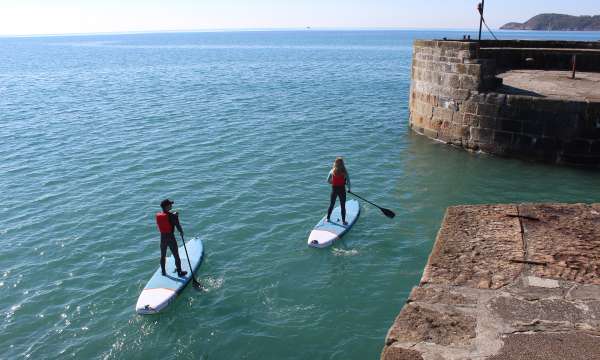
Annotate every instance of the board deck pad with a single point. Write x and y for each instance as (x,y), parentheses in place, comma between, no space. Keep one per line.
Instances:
(325,233)
(161,290)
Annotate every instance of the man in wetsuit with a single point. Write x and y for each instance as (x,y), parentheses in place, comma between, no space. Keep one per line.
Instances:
(167,221)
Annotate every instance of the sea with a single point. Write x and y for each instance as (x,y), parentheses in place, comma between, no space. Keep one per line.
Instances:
(240,129)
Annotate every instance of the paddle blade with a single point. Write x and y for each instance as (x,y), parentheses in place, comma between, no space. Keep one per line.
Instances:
(197,285)
(387,212)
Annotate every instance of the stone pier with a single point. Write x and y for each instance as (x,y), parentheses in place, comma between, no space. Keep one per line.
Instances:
(506,282)
(510,98)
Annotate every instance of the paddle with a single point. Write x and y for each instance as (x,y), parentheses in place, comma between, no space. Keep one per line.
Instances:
(196,283)
(387,212)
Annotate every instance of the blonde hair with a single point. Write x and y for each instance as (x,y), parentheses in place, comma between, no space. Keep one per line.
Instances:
(339,167)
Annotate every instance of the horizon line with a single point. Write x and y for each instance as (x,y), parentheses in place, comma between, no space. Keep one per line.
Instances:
(210,30)
(274,29)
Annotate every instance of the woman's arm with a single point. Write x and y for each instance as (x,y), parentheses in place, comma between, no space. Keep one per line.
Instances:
(348,181)
(330,176)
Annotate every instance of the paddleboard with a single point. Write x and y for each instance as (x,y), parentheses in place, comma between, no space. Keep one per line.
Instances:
(161,290)
(326,233)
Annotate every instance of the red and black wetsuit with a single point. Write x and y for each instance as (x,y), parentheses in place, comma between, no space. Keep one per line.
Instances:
(338,189)
(167,222)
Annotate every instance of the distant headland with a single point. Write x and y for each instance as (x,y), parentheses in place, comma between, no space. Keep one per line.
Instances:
(560,22)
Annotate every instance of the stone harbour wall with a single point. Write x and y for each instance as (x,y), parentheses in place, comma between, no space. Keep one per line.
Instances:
(506,282)
(455,99)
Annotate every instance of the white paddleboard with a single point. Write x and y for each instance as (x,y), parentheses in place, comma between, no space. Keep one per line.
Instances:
(326,233)
(162,290)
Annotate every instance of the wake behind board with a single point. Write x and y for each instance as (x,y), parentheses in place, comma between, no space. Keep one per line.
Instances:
(162,290)
(325,233)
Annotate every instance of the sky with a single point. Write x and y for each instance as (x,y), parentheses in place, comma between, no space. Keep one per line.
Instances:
(26,17)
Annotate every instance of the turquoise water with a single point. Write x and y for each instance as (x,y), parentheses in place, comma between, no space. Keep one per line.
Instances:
(240,129)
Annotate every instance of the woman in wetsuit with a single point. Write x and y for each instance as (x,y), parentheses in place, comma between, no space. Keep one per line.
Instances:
(338,178)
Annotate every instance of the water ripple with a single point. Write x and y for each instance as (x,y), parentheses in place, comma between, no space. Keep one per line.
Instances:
(240,129)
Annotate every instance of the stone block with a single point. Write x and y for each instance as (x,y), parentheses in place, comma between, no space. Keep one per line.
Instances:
(546,147)
(451,81)
(480,135)
(441,295)
(533,127)
(519,101)
(433,124)
(567,238)
(578,146)
(437,78)
(523,143)
(417,129)
(526,114)
(417,120)
(468,82)
(507,111)
(510,125)
(424,109)
(453,133)
(577,345)
(590,125)
(585,292)
(471,120)
(459,68)
(540,282)
(495,98)
(395,352)
(442,114)
(465,54)
(418,324)
(463,132)
(430,133)
(471,61)
(448,103)
(503,138)
(454,60)
(469,107)
(514,310)
(556,127)
(489,148)
(456,94)
(450,52)
(487,122)
(474,70)
(477,97)
(485,109)
(595,147)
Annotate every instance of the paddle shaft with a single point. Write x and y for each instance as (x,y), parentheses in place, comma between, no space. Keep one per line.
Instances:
(188,260)
(387,212)
(363,199)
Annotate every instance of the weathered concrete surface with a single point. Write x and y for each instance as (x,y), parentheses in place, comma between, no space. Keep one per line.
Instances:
(554,84)
(483,243)
(506,282)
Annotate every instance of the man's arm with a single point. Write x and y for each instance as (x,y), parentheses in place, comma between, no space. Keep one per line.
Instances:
(175,221)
